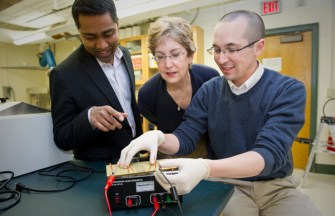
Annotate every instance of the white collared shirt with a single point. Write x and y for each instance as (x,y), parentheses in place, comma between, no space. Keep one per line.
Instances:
(247,85)
(117,76)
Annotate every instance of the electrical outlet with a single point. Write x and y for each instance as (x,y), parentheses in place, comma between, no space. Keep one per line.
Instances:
(6,91)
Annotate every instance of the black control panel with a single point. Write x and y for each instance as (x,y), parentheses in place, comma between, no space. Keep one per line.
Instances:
(136,192)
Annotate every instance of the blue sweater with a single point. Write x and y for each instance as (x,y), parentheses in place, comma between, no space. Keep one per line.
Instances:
(266,119)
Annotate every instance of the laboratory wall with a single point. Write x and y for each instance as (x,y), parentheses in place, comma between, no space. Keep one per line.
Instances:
(20,71)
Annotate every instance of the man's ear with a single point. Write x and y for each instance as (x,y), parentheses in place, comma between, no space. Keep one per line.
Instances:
(260,47)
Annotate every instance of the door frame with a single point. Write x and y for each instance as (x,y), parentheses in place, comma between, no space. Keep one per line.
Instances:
(314,28)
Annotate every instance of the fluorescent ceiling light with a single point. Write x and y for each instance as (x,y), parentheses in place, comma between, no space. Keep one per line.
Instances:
(30,38)
(37,13)
(44,21)
(147,6)
(71,28)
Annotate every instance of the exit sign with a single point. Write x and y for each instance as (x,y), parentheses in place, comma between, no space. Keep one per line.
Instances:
(270,7)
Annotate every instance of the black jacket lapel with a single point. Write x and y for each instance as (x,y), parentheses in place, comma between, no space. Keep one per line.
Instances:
(96,74)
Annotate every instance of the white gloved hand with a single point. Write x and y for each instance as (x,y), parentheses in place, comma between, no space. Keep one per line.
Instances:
(148,141)
(190,173)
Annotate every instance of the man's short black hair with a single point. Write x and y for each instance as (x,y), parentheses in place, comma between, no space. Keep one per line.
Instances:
(93,7)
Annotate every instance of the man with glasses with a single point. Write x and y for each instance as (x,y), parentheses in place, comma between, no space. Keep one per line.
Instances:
(252,115)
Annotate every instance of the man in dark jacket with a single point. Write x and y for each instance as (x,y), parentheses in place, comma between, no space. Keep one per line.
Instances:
(93,106)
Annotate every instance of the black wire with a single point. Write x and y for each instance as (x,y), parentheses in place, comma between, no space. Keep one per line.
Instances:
(22,188)
(13,194)
(48,170)
(324,105)
(3,183)
(82,169)
(173,191)
(51,172)
(160,169)
(59,177)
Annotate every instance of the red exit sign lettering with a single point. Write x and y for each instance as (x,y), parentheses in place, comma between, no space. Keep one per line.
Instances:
(270,7)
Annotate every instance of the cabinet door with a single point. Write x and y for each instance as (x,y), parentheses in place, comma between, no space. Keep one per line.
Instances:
(198,37)
(139,56)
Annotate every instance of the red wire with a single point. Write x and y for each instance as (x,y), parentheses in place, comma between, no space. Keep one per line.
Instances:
(156,205)
(108,205)
(153,214)
(109,183)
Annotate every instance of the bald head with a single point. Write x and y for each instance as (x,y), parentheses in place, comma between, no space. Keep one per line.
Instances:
(254,29)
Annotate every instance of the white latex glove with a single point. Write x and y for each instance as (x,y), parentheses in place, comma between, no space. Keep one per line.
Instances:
(148,141)
(190,173)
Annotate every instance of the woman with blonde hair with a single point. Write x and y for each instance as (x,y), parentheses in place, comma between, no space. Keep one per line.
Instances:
(164,98)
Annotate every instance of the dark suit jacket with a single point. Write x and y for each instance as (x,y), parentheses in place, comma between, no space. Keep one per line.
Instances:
(77,84)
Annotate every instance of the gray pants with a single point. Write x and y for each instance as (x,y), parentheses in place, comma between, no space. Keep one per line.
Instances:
(276,197)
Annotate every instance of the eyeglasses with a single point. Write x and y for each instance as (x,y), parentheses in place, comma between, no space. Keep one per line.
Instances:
(174,57)
(229,51)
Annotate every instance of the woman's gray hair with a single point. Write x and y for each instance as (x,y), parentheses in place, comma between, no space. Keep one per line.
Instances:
(174,27)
